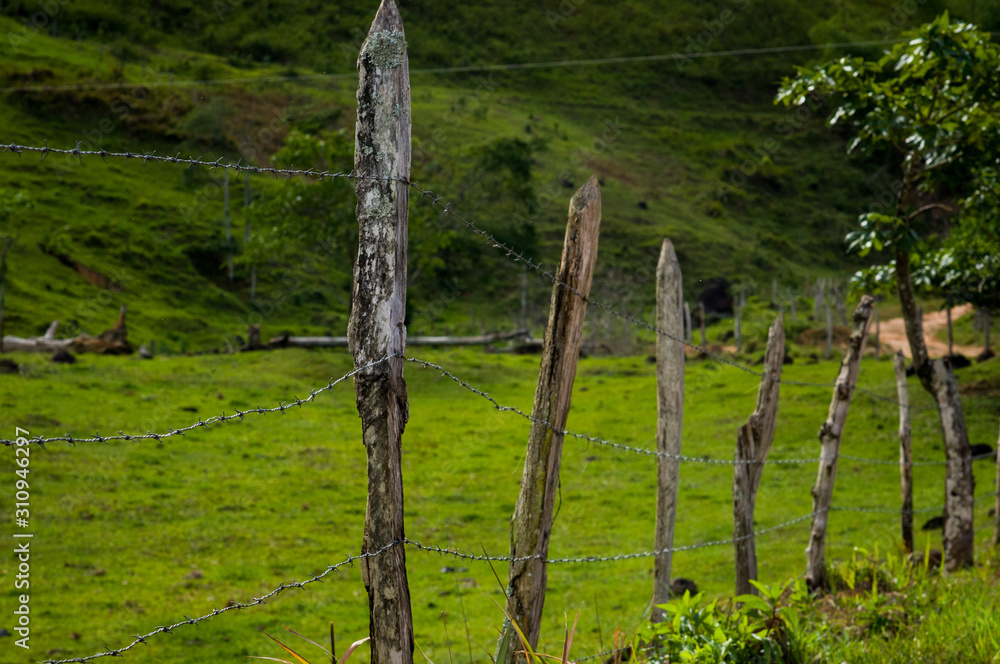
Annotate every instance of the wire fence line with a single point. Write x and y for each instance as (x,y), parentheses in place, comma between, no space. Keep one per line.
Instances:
(216,419)
(886,510)
(608,558)
(449,210)
(168,629)
(650,452)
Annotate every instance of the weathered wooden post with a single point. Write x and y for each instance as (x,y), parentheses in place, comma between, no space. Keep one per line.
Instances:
(791,306)
(753,440)
(376,330)
(247,199)
(669,411)
(688,333)
(818,298)
(878,333)
(704,338)
(905,451)
(532,521)
(829,437)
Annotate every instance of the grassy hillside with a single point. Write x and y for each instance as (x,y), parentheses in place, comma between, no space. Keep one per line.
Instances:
(693,150)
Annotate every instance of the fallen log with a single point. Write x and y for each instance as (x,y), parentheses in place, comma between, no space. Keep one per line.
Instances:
(110,342)
(286,341)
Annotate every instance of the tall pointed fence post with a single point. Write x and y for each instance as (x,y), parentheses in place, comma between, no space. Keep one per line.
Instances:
(753,441)
(532,520)
(829,437)
(376,330)
(905,451)
(669,411)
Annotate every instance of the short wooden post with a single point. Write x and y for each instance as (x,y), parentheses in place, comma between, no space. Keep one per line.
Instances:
(753,440)
(704,338)
(829,437)
(905,451)
(829,329)
(688,333)
(669,411)
(253,336)
(532,521)
(376,330)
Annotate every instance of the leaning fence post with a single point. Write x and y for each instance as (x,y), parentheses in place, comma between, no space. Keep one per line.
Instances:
(829,437)
(669,411)
(753,440)
(376,330)
(532,521)
(905,451)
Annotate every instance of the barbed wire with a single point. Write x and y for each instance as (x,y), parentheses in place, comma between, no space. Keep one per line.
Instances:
(886,462)
(594,439)
(238,166)
(239,414)
(168,629)
(608,558)
(889,510)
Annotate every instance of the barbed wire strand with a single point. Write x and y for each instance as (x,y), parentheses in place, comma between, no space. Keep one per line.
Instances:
(644,450)
(229,607)
(239,414)
(886,510)
(609,558)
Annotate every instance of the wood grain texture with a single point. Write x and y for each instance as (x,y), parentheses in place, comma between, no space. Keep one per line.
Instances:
(669,412)
(753,441)
(905,451)
(830,434)
(532,520)
(376,329)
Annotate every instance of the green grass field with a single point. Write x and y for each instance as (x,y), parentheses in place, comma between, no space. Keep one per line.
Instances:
(130,536)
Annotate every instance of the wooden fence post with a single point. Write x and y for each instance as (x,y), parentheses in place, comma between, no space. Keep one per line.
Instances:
(753,440)
(829,437)
(905,451)
(229,228)
(791,306)
(532,521)
(829,329)
(950,335)
(738,320)
(247,199)
(669,411)
(878,333)
(818,298)
(376,330)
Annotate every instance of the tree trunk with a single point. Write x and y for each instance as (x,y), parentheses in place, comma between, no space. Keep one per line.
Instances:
(905,452)
(753,440)
(938,379)
(532,521)
(950,335)
(376,329)
(829,437)
(670,411)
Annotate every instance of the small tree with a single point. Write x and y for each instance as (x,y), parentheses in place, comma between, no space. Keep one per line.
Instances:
(12,221)
(931,105)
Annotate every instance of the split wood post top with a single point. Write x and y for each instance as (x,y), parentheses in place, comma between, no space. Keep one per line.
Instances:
(376,330)
(753,441)
(532,521)
(670,411)
(830,434)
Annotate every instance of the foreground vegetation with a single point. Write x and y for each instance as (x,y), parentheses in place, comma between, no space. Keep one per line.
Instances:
(130,536)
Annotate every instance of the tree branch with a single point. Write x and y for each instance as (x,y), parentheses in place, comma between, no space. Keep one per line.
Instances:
(928,207)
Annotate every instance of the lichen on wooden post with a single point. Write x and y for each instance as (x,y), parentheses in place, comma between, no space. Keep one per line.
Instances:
(670,411)
(830,434)
(532,520)
(753,441)
(905,451)
(376,330)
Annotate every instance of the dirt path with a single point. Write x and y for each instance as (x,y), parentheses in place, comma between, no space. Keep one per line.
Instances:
(892,335)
